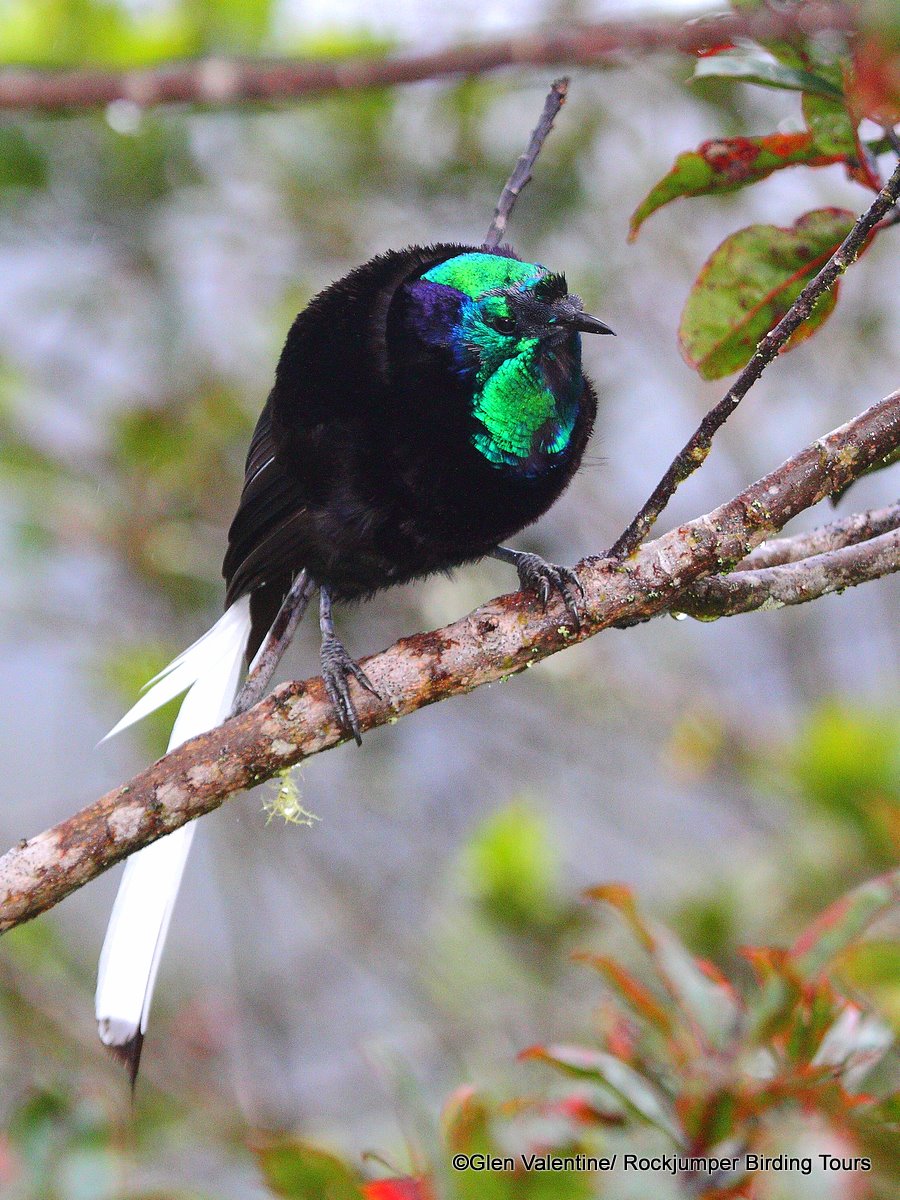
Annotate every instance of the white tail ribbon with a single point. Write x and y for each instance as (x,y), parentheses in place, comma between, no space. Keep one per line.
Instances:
(129,961)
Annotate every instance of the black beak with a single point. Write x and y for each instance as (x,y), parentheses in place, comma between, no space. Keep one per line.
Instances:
(585,324)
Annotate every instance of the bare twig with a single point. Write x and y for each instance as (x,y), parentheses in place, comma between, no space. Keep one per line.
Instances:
(556,98)
(506,636)
(845,532)
(222,81)
(792,582)
(694,453)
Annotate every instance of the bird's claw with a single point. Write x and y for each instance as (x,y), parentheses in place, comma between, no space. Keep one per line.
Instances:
(543,577)
(337,667)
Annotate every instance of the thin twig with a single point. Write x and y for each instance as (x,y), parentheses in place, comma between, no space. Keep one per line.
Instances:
(792,582)
(501,638)
(223,81)
(848,531)
(556,98)
(694,453)
(277,641)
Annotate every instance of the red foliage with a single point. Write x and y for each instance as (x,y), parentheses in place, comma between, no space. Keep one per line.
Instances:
(407,1188)
(876,86)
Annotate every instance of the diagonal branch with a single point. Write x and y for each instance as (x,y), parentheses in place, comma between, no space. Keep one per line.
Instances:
(521,175)
(694,452)
(223,81)
(501,638)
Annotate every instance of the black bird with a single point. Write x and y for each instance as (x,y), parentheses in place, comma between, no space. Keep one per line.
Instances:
(426,407)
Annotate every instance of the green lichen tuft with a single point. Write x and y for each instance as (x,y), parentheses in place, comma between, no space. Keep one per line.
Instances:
(286,802)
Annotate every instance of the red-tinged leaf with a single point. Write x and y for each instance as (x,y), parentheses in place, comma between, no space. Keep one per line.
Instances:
(726,164)
(583,1111)
(767,961)
(297,1170)
(748,284)
(398,1189)
(638,998)
(621,898)
(714,975)
(843,922)
(717,43)
(875,89)
(619,1035)
(635,1092)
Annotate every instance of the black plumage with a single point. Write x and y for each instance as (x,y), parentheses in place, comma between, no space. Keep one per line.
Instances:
(362,468)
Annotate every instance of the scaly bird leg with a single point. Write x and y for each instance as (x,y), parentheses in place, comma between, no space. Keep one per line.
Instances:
(277,641)
(540,576)
(337,667)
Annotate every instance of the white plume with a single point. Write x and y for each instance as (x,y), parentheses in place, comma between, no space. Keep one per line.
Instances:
(211,669)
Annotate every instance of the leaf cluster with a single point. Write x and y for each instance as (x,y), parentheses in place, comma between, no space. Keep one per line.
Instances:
(712,1067)
(751,280)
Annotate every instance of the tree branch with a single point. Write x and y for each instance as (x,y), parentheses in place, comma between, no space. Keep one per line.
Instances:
(845,532)
(499,639)
(222,81)
(792,582)
(694,452)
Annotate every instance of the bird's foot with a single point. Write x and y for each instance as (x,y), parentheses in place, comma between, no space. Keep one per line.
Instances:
(337,667)
(538,575)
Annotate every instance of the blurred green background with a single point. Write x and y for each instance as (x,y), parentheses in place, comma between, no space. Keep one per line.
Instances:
(341,979)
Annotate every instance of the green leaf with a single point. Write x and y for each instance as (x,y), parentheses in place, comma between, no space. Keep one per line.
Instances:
(639,1096)
(836,133)
(830,124)
(726,164)
(751,66)
(748,284)
(299,1171)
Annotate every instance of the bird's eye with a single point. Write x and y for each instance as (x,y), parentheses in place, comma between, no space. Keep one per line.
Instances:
(502,324)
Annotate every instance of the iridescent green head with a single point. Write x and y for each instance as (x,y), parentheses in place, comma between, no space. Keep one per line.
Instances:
(514,330)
